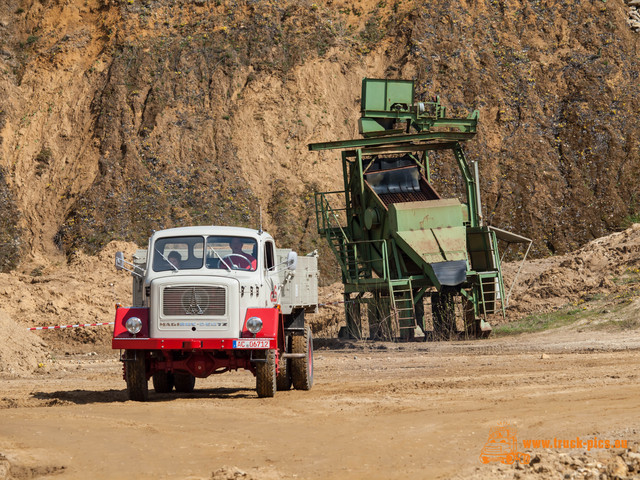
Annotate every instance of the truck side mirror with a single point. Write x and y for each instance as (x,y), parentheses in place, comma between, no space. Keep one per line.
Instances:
(119,261)
(292,260)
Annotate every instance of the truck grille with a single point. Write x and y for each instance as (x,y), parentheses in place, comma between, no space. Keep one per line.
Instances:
(203,300)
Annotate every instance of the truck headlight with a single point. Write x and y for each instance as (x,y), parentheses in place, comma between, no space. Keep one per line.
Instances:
(133,325)
(254,324)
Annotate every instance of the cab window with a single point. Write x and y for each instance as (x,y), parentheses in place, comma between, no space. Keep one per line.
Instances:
(178,253)
(269,257)
(232,253)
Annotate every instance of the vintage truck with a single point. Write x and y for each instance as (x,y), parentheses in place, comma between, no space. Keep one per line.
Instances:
(211,299)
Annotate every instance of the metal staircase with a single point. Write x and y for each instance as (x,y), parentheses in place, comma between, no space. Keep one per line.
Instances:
(486,264)
(328,221)
(402,304)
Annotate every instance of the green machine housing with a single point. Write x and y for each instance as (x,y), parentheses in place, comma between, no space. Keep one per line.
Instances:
(400,244)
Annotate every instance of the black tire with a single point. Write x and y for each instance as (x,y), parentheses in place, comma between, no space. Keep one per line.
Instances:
(135,372)
(302,368)
(266,384)
(283,376)
(184,382)
(162,382)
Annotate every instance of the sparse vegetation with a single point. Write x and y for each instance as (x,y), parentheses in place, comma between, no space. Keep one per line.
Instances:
(624,324)
(630,220)
(37,272)
(630,276)
(543,321)
(10,233)
(42,160)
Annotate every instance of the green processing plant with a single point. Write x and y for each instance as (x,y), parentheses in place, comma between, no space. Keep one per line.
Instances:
(402,248)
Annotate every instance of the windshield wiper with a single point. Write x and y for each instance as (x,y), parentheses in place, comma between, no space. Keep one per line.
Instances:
(167,260)
(221,259)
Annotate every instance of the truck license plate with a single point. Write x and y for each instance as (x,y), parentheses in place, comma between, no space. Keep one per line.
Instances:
(252,343)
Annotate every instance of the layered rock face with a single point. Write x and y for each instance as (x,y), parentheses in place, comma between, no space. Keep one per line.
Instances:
(120,117)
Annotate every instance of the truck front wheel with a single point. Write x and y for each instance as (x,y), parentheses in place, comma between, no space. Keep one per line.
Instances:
(135,371)
(266,375)
(302,368)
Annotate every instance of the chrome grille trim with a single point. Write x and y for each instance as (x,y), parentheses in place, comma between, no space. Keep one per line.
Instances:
(201,300)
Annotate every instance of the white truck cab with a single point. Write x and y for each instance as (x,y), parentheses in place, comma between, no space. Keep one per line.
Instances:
(209,299)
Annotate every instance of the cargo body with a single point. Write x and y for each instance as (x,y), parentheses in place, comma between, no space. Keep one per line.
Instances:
(208,300)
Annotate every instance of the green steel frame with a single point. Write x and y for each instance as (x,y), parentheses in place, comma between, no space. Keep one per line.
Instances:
(380,261)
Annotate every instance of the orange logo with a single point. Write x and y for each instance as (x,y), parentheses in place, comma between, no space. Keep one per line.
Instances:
(502,446)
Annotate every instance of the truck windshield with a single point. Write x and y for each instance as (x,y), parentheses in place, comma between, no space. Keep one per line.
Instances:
(178,253)
(232,253)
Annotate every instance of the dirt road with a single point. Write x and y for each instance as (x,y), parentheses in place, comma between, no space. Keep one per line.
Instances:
(375,411)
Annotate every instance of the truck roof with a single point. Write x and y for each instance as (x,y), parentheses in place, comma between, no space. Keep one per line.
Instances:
(210,230)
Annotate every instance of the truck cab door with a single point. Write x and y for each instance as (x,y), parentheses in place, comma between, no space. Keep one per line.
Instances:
(269,265)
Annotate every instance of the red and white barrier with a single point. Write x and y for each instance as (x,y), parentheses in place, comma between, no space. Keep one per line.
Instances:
(58,327)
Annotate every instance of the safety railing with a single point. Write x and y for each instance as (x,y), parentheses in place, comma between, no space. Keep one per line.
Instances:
(365,257)
(359,260)
(327,217)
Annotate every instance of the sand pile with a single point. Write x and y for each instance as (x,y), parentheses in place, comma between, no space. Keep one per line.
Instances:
(82,291)
(603,266)
(255,473)
(21,351)
(330,316)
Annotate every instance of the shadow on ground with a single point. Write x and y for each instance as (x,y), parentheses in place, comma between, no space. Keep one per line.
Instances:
(83,397)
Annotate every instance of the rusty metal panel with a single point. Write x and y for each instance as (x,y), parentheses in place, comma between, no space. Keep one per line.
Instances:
(480,250)
(423,243)
(453,241)
(436,245)
(424,215)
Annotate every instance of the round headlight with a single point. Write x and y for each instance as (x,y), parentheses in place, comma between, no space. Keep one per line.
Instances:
(133,325)
(254,324)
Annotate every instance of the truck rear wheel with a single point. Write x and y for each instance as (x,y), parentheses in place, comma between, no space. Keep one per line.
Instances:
(135,372)
(162,382)
(302,368)
(184,382)
(283,377)
(266,384)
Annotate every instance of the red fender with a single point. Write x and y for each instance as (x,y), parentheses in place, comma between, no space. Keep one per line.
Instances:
(270,320)
(123,314)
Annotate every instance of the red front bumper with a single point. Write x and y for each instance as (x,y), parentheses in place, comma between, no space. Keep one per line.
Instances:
(194,344)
